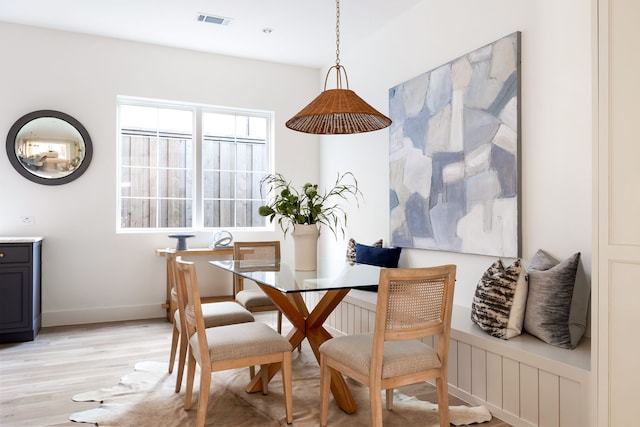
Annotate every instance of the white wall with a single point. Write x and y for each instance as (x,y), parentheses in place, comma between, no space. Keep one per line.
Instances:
(556,119)
(90,273)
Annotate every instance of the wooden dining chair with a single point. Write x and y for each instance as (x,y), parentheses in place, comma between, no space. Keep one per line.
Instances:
(214,313)
(413,303)
(255,300)
(227,347)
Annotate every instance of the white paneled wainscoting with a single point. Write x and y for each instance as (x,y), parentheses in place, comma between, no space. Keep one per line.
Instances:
(522,381)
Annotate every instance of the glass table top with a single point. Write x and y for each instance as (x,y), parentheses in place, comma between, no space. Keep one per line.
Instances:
(283,277)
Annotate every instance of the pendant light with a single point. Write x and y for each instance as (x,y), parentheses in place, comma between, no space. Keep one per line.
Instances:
(338,111)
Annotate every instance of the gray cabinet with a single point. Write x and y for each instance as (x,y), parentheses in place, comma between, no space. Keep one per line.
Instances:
(20,288)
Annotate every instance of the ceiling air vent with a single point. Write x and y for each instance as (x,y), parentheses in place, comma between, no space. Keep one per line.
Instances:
(212,19)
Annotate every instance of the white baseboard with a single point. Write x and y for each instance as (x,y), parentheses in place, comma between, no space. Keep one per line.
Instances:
(98,315)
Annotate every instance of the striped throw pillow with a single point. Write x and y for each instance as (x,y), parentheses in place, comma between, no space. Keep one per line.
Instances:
(499,301)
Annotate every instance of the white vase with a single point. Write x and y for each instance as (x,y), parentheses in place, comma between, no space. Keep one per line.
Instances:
(305,242)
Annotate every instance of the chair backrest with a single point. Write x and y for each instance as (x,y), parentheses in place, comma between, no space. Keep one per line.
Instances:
(171,276)
(190,305)
(267,250)
(414,303)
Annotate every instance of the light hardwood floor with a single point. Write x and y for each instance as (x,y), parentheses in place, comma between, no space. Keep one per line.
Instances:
(38,378)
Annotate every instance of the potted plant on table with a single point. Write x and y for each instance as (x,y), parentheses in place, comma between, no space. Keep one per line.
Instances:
(303,212)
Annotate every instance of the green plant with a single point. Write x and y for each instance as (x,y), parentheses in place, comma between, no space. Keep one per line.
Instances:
(290,206)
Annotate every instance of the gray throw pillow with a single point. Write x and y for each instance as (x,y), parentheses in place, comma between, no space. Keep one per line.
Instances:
(551,288)
(499,301)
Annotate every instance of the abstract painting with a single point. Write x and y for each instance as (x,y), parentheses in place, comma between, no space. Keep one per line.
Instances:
(454,154)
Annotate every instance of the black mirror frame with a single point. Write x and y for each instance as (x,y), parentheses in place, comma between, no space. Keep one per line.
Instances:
(22,121)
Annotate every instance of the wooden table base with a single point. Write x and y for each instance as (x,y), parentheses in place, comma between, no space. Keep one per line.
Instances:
(309,325)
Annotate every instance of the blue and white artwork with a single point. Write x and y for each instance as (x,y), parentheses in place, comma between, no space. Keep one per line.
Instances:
(453,154)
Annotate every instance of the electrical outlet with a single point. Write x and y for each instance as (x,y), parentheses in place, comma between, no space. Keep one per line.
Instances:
(27,220)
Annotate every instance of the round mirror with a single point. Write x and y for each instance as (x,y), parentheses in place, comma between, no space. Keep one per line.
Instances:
(49,147)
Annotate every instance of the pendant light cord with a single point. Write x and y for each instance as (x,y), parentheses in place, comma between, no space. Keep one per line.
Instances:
(338,33)
(339,69)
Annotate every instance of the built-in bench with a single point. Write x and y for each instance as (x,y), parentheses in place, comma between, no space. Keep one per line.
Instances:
(522,381)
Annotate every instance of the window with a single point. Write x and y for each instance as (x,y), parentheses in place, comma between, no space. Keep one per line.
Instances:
(190,166)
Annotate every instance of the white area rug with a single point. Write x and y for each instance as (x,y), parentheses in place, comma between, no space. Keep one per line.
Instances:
(146,398)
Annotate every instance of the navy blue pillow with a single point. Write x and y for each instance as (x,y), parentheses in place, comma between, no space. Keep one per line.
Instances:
(381,257)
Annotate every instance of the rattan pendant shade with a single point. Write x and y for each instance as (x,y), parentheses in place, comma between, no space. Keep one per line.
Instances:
(338,111)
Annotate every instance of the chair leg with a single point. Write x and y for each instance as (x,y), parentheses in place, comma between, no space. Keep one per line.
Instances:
(375,405)
(287,388)
(182,357)
(325,383)
(279,322)
(203,396)
(443,401)
(175,337)
(389,395)
(252,372)
(191,373)
(264,378)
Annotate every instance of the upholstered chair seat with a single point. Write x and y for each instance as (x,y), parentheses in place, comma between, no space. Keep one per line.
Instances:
(398,357)
(221,313)
(236,341)
(253,298)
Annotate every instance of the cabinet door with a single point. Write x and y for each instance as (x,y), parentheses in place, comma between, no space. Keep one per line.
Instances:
(618,212)
(15,298)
